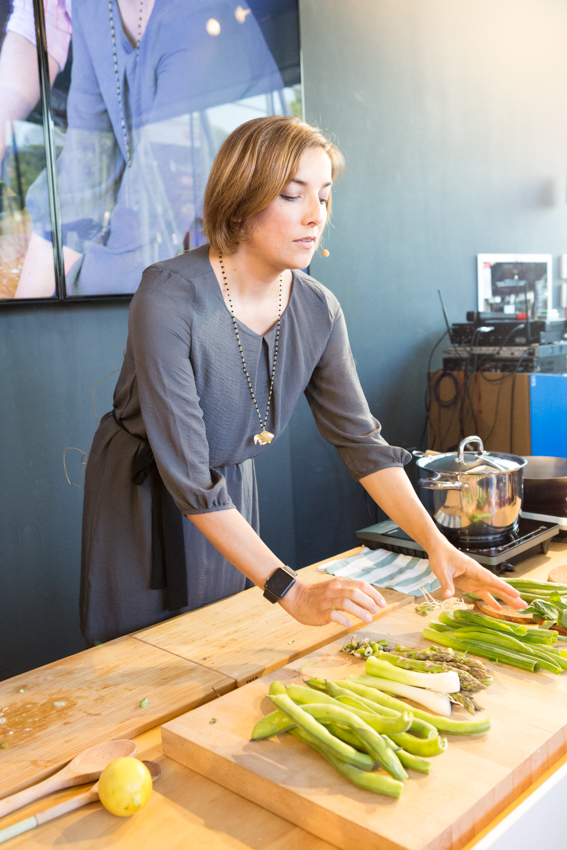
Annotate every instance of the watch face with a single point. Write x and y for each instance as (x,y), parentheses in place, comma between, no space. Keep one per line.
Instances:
(279,582)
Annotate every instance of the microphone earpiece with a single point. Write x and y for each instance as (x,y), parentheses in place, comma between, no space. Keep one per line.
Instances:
(325,252)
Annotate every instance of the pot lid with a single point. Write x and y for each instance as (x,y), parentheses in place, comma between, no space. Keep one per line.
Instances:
(477,462)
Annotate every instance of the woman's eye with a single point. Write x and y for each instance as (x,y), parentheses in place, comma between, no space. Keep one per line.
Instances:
(290,197)
(324,201)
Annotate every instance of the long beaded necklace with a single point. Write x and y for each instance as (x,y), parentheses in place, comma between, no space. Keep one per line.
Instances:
(264,437)
(117,74)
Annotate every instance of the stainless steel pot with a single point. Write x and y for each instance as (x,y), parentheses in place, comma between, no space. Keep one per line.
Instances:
(474,496)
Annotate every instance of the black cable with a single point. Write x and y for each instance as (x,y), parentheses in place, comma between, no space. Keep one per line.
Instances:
(427,397)
(516,370)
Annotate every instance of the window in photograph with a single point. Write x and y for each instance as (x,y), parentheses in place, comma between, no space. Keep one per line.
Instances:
(152,90)
(26,253)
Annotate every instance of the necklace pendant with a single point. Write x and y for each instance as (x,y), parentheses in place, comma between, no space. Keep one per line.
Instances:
(265,437)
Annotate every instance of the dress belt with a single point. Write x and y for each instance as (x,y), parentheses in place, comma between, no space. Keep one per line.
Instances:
(169,569)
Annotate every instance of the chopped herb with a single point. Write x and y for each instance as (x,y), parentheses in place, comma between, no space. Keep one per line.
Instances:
(144,703)
(213,720)
(21,691)
(4,745)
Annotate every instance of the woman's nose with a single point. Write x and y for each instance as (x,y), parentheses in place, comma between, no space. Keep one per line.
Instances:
(316,212)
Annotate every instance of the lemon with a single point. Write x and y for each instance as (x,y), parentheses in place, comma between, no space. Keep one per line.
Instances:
(125,786)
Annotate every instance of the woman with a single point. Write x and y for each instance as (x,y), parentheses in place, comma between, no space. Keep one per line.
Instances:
(222,341)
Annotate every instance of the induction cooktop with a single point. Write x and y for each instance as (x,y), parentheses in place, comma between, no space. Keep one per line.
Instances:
(532,537)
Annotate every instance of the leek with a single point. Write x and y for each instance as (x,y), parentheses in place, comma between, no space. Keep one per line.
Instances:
(446,682)
(431,700)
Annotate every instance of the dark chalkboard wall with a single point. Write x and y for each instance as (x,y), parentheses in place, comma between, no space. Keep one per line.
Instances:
(453,119)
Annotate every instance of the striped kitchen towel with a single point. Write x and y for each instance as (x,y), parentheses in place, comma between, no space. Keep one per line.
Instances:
(385,569)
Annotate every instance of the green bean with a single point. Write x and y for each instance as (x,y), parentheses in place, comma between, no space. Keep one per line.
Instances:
(305,721)
(373,781)
(272,724)
(373,742)
(346,735)
(443,724)
(485,650)
(409,760)
(276,688)
(380,724)
(418,726)
(422,747)
(337,692)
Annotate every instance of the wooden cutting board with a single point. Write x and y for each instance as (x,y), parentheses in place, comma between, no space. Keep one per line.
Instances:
(558,574)
(91,697)
(506,613)
(468,786)
(244,637)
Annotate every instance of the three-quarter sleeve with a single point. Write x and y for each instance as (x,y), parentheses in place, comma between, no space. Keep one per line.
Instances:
(341,411)
(160,339)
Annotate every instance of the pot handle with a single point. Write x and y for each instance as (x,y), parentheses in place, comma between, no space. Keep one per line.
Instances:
(427,453)
(437,484)
(464,443)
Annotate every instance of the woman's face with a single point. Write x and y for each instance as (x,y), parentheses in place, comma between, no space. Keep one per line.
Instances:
(286,234)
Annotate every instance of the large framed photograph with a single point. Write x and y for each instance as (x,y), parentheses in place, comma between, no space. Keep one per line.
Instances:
(515,283)
(136,101)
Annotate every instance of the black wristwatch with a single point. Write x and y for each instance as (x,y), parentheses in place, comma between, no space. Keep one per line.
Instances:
(278,584)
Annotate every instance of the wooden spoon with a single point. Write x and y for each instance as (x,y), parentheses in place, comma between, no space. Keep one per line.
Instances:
(86,767)
(90,796)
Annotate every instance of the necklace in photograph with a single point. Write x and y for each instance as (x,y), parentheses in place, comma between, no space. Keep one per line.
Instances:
(264,437)
(117,73)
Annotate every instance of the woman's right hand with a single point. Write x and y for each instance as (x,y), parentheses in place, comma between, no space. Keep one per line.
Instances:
(324,602)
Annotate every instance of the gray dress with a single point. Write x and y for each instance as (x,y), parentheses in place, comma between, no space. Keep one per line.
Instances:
(182,388)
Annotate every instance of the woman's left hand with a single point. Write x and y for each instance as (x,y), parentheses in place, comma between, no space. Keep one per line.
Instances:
(455,568)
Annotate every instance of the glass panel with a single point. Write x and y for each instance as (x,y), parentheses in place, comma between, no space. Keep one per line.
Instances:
(154,88)
(26,253)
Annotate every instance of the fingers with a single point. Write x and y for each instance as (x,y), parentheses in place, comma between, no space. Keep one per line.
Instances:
(494,585)
(356,598)
(445,578)
(337,617)
(490,600)
(513,601)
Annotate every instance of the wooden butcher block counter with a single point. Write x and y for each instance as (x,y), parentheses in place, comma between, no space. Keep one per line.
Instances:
(58,710)
(469,785)
(188,809)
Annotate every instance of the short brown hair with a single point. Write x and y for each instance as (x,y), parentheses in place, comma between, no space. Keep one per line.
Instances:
(253,166)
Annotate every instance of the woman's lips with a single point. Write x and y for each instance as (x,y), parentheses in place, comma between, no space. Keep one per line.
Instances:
(306,243)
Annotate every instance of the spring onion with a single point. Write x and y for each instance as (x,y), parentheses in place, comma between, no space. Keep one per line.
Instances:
(446,683)
(366,686)
(476,619)
(485,650)
(431,700)
(496,639)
